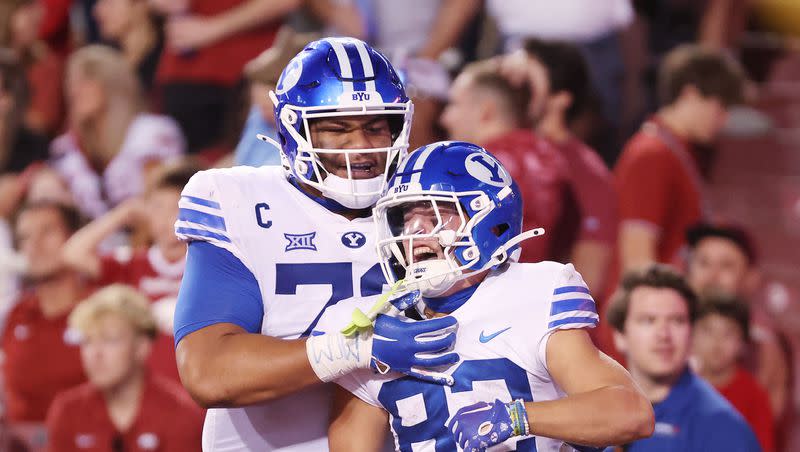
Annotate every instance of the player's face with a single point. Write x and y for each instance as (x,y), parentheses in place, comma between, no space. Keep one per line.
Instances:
(657,333)
(163,205)
(461,116)
(353,132)
(41,234)
(717,343)
(112,352)
(420,218)
(718,264)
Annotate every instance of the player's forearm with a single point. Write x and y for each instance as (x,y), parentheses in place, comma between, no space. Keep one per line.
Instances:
(251,14)
(237,369)
(606,416)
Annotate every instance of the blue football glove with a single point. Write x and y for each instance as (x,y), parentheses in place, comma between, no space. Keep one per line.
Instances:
(388,303)
(414,348)
(482,425)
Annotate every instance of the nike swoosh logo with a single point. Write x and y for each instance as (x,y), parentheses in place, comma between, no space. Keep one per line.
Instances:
(484,338)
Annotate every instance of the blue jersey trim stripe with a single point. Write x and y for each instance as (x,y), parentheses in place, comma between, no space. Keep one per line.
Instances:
(568,289)
(572,304)
(202,202)
(206,219)
(201,233)
(568,320)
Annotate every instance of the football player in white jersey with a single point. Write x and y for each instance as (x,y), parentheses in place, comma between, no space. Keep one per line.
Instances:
(269,250)
(451,218)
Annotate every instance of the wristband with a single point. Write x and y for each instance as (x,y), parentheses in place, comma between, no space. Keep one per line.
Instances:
(333,355)
(519,417)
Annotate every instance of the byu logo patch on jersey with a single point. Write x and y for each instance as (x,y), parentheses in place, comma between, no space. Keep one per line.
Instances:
(354,239)
(300,241)
(487,170)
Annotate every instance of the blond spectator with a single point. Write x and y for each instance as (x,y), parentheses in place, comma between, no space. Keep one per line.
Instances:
(122,407)
(112,142)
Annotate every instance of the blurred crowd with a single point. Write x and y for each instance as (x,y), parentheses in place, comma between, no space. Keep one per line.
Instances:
(607,114)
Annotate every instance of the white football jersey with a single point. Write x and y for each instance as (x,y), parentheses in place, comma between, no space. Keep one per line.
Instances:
(502,337)
(305,259)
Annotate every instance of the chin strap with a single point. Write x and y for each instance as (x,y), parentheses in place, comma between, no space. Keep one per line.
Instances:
(269,140)
(501,254)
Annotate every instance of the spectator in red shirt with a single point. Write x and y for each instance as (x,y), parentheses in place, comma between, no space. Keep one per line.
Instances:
(122,407)
(208,42)
(558,75)
(40,354)
(486,109)
(155,272)
(722,258)
(720,333)
(658,181)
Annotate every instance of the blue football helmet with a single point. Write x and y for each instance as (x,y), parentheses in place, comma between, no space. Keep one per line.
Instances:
(336,77)
(450,210)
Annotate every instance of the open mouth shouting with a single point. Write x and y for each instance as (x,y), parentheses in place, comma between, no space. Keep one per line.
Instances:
(424,252)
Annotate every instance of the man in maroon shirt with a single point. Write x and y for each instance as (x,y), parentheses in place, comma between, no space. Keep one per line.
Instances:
(658,180)
(208,42)
(486,109)
(122,407)
(40,354)
(559,78)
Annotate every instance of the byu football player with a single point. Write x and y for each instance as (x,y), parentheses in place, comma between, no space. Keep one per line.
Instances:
(271,248)
(447,225)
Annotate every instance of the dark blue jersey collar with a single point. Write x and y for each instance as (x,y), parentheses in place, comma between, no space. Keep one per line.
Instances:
(451,302)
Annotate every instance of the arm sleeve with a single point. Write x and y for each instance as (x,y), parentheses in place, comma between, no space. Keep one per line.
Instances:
(216,288)
(571,306)
(201,215)
(643,181)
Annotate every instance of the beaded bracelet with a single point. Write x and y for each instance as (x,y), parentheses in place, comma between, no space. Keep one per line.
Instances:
(519,417)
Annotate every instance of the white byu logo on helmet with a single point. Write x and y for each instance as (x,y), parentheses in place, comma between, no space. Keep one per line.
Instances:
(487,170)
(290,76)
